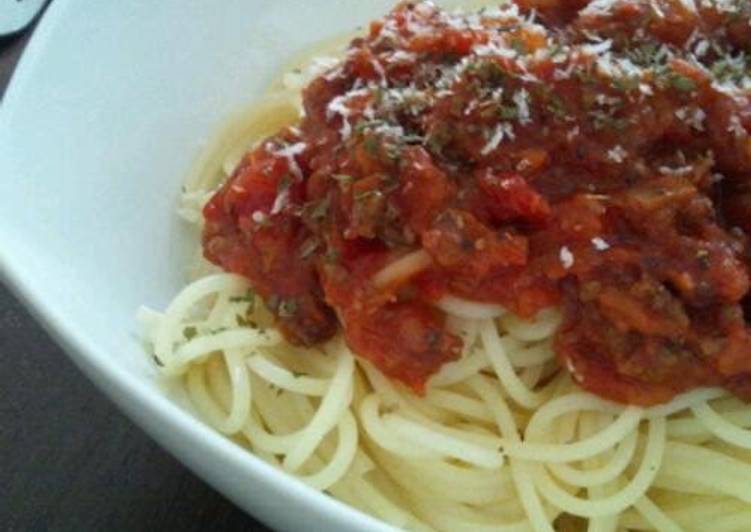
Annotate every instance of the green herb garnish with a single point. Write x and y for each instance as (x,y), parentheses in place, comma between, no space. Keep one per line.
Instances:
(248,297)
(332,256)
(343,179)
(372,145)
(682,83)
(190,332)
(508,112)
(287,308)
(317,210)
(367,194)
(519,46)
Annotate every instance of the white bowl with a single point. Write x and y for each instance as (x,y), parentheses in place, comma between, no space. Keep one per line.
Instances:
(109,107)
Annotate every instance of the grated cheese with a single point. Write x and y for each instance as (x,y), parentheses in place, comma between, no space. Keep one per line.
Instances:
(289,153)
(736,127)
(617,154)
(259,217)
(502,130)
(566,257)
(598,48)
(680,171)
(600,244)
(521,99)
(337,107)
(598,8)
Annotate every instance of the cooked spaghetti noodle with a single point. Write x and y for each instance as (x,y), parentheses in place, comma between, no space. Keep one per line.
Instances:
(501,440)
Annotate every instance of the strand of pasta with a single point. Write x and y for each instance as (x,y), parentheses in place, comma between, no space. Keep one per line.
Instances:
(383,507)
(406,403)
(691,428)
(531,450)
(336,468)
(567,427)
(261,439)
(329,463)
(334,403)
(655,446)
(522,355)
(456,518)
(200,346)
(520,472)
(511,383)
(469,310)
(655,516)
(469,433)
(458,403)
(684,402)
(610,471)
(402,269)
(460,370)
(719,474)
(382,436)
(589,424)
(723,516)
(333,469)
(602,523)
(284,379)
(461,484)
(444,444)
(721,427)
(428,436)
(207,407)
(508,511)
(240,391)
(169,331)
(732,522)
(531,375)
(541,327)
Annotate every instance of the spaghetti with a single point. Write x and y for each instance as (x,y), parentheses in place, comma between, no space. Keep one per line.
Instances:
(508,446)
(502,438)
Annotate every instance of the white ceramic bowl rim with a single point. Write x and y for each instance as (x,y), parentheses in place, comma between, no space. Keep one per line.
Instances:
(170,425)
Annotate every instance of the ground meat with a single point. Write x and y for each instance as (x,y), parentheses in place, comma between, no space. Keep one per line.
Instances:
(591,155)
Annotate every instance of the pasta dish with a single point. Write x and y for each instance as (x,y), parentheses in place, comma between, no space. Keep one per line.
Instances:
(488,269)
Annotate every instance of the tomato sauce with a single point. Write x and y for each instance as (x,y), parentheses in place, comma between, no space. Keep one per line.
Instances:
(593,156)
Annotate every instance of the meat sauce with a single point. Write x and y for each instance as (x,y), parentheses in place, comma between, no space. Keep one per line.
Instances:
(592,156)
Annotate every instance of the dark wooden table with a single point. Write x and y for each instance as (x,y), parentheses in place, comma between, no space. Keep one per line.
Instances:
(68,459)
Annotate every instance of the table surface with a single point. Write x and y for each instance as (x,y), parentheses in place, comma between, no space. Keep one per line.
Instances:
(69,460)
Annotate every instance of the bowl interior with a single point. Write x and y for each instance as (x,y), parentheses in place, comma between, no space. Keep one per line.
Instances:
(111,104)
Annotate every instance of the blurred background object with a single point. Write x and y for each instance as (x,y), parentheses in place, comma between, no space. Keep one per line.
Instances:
(17,15)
